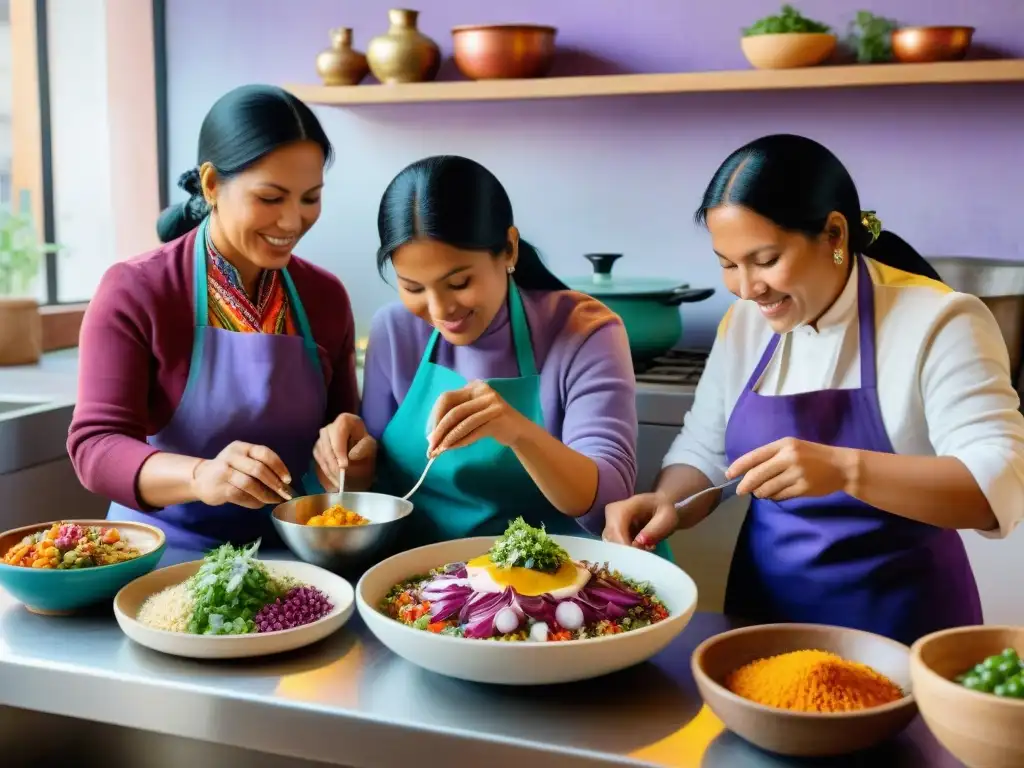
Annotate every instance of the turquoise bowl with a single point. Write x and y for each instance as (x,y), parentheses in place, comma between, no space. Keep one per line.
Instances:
(53,592)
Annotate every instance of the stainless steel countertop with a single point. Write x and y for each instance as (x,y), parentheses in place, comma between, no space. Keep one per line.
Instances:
(348,701)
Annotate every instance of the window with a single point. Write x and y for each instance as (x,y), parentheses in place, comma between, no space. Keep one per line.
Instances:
(78,133)
(21,177)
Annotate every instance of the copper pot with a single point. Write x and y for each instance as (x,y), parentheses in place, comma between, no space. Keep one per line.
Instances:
(503,51)
(916,45)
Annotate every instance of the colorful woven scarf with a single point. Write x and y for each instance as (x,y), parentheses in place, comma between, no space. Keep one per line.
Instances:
(231,308)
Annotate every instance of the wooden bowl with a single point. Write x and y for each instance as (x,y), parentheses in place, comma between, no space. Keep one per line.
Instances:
(788,50)
(503,51)
(916,45)
(803,734)
(982,730)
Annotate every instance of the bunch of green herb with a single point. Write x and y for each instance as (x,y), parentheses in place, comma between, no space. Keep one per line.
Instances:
(789,19)
(229,589)
(871,37)
(524,546)
(21,252)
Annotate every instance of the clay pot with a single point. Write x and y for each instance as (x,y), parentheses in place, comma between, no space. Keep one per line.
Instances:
(21,332)
(341,64)
(404,54)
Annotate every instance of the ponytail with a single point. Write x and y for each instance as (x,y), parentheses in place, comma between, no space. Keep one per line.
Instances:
(531,274)
(892,250)
(181,218)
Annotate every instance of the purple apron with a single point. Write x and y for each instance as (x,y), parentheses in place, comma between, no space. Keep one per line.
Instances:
(834,559)
(260,388)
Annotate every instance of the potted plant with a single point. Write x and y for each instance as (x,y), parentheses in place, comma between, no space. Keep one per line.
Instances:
(21,256)
(786,40)
(870,37)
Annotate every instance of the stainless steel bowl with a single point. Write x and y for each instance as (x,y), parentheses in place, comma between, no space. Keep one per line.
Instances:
(340,548)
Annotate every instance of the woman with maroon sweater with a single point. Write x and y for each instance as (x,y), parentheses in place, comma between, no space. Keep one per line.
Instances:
(209,366)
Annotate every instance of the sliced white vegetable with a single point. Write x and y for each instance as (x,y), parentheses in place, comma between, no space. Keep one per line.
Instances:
(506,621)
(539,632)
(569,615)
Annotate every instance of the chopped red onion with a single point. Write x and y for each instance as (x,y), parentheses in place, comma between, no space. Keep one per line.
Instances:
(300,606)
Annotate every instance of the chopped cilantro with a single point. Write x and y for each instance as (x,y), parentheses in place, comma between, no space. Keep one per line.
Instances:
(523,546)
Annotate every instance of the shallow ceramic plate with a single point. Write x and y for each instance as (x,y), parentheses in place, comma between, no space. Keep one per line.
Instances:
(59,592)
(130,599)
(527,663)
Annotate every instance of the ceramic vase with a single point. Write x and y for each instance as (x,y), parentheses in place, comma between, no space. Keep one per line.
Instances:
(404,54)
(341,64)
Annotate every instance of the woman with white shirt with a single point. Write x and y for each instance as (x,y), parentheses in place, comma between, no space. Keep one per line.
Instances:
(867,407)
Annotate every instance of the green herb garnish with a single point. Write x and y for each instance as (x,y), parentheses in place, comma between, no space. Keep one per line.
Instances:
(523,546)
(871,37)
(229,589)
(788,20)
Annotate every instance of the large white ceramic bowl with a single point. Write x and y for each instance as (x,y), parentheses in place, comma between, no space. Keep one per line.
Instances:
(129,600)
(527,663)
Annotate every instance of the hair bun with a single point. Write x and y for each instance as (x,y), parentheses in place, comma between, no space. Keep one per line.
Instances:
(191,182)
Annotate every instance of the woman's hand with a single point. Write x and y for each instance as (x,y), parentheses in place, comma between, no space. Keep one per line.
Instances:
(789,468)
(244,474)
(345,444)
(466,415)
(641,521)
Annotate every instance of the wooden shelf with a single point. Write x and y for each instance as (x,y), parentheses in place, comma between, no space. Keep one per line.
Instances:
(851,76)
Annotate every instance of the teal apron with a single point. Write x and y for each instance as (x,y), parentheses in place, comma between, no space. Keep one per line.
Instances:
(478,489)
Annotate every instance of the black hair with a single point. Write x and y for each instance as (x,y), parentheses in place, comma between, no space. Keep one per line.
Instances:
(456,201)
(242,127)
(796,183)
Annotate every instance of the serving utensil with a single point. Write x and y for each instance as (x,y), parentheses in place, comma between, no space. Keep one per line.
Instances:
(423,477)
(690,499)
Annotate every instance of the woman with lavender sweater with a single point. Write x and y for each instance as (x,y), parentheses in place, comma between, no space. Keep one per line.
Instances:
(521,389)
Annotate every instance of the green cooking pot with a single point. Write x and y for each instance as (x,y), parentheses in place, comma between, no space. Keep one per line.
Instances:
(649,307)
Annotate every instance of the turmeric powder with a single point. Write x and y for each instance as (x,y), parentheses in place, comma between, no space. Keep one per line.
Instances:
(812,681)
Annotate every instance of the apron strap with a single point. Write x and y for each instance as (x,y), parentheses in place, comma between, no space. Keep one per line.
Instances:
(300,317)
(200,302)
(520,332)
(866,324)
(766,357)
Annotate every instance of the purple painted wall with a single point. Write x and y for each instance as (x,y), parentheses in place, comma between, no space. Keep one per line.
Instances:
(943,166)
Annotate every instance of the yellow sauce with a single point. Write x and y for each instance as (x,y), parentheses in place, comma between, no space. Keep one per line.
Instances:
(525,580)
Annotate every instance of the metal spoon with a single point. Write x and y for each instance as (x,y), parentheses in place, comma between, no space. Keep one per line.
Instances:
(335,498)
(422,478)
(689,499)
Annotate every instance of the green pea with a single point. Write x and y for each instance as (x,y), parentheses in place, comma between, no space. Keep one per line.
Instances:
(1000,690)
(990,679)
(974,683)
(1011,654)
(1015,688)
(1008,668)
(992,662)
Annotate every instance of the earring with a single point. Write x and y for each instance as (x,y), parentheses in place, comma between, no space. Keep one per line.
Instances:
(837,255)
(510,270)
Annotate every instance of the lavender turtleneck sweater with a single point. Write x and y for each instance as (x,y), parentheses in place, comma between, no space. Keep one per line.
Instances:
(588,389)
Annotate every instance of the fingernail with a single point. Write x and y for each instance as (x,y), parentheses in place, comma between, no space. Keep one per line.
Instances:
(640,540)
(285,493)
(287,479)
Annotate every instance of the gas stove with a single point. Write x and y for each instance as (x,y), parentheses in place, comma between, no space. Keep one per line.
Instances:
(678,367)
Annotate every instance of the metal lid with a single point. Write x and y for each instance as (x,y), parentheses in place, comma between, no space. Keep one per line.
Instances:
(601,283)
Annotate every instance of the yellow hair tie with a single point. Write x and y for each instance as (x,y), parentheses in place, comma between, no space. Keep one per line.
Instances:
(872,223)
